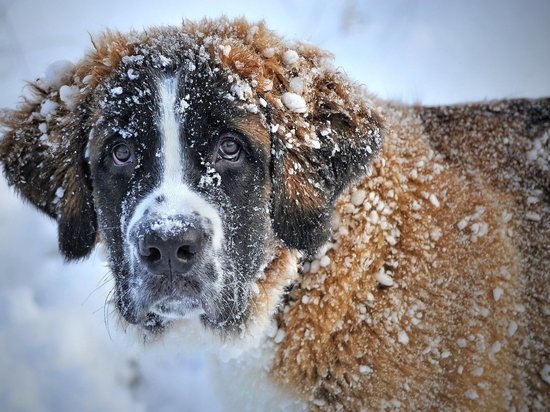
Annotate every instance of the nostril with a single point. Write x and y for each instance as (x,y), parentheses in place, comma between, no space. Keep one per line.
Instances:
(152,255)
(185,252)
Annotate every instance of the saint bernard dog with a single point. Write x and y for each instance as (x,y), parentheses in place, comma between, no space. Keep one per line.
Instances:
(381,255)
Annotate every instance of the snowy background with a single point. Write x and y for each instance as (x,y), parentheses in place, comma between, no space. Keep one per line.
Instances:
(59,349)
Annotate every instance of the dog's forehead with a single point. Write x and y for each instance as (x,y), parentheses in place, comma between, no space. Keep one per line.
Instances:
(129,103)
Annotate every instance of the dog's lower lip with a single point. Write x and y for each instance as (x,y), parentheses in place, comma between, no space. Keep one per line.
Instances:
(181,307)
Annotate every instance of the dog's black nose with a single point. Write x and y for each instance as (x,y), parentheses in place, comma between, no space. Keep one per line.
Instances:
(170,252)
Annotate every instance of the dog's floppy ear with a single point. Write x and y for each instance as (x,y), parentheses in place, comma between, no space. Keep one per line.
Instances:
(42,152)
(315,157)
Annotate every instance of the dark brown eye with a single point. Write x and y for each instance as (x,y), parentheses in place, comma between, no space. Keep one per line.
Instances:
(122,154)
(229,150)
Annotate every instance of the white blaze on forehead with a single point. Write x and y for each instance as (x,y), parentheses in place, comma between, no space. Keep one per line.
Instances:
(169,130)
(178,199)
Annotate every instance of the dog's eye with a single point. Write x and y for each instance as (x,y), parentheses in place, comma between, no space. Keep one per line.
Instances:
(122,154)
(229,150)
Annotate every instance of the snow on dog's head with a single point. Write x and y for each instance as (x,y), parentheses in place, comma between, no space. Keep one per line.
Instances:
(206,157)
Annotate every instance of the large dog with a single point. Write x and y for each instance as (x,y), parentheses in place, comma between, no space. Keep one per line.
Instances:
(382,255)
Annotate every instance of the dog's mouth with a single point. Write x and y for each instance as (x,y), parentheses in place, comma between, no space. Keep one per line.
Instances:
(143,297)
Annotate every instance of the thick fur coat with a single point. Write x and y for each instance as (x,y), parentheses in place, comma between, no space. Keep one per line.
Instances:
(407,262)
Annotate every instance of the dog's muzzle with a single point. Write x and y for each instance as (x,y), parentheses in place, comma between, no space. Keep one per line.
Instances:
(170,252)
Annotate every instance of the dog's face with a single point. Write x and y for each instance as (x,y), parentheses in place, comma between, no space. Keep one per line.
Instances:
(194,154)
(181,191)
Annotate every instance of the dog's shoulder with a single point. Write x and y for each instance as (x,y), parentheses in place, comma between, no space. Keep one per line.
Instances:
(422,287)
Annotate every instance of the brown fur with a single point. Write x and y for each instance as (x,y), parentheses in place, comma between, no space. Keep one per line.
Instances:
(444,276)
(454,212)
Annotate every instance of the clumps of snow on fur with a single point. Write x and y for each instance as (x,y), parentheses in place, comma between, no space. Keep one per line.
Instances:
(296,85)
(69,95)
(402,337)
(471,394)
(290,57)
(47,108)
(56,74)
(294,102)
(539,152)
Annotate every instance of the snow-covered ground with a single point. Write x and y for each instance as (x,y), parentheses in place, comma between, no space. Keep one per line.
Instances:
(59,349)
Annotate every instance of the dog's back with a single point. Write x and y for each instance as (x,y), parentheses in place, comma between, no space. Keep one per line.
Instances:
(436,289)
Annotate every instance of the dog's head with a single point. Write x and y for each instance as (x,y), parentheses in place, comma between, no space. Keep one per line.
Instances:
(193,153)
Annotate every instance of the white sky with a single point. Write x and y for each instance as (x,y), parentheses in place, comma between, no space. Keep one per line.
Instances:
(55,352)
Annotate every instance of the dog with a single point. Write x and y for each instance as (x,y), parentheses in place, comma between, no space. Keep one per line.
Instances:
(381,256)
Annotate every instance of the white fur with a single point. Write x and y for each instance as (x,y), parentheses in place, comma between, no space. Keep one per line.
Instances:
(179,198)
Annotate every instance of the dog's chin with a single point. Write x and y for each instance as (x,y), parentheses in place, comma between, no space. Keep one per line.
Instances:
(177,308)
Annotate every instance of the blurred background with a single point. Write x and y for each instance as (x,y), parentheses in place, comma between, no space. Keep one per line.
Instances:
(60,350)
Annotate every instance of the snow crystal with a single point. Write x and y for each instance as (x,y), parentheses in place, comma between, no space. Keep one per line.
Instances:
(294,102)
(383,278)
(539,151)
(115,91)
(471,394)
(325,261)
(133,59)
(251,108)
(402,337)
(279,336)
(462,224)
(69,95)
(545,374)
(460,369)
(305,299)
(433,200)
(391,240)
(461,342)
(314,267)
(269,52)
(48,107)
(43,127)
(57,72)
(512,328)
(519,307)
(373,217)
(296,85)
(211,178)
(477,372)
(183,105)
(496,347)
(358,196)
(262,101)
(225,49)
(497,293)
(290,57)
(535,217)
(132,74)
(241,90)
(436,234)
(59,192)
(365,369)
